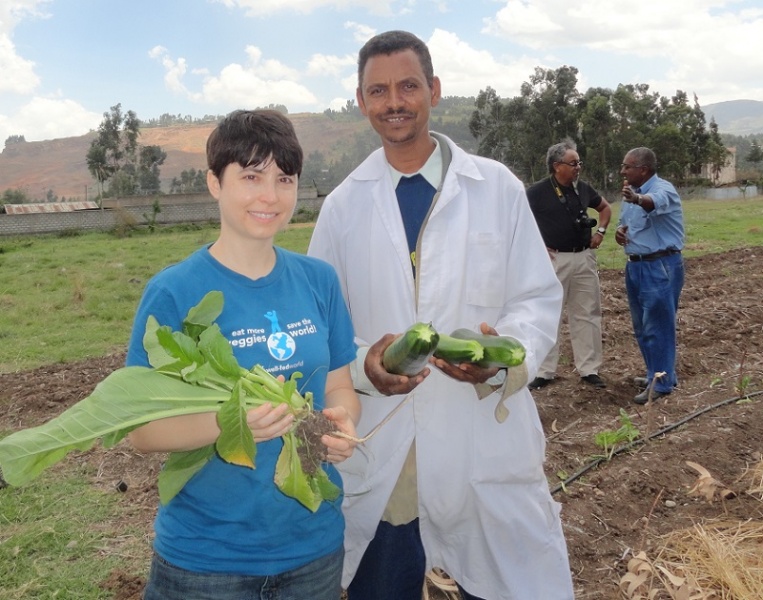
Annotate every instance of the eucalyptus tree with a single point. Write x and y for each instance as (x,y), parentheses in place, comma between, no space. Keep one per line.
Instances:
(116,156)
(596,122)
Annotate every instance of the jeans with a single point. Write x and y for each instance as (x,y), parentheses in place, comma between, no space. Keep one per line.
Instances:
(654,288)
(393,566)
(318,580)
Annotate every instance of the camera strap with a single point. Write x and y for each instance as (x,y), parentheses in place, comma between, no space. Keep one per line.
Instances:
(563,198)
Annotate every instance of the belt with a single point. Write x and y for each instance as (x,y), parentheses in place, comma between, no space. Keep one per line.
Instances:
(653,255)
(577,249)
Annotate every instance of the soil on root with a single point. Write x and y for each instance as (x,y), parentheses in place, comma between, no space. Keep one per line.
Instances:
(615,509)
(309,431)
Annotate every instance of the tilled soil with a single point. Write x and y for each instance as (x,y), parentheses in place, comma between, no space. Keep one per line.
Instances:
(611,508)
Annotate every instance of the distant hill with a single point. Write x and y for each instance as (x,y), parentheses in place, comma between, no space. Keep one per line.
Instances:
(736,117)
(59,165)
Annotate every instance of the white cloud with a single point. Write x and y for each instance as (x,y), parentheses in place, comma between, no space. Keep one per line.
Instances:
(464,71)
(49,118)
(240,87)
(261,8)
(258,82)
(686,36)
(360,33)
(18,76)
(329,65)
(174,70)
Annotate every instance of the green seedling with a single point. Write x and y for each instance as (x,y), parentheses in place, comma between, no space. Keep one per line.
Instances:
(626,433)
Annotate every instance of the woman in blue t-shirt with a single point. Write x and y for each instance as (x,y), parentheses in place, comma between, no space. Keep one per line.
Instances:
(230,533)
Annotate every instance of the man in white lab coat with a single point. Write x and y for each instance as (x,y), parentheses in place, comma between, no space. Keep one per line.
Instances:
(455,478)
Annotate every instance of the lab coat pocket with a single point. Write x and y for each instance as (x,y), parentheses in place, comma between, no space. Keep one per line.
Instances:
(485,266)
(511,451)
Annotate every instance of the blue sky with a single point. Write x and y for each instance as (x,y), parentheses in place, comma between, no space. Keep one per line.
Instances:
(63,63)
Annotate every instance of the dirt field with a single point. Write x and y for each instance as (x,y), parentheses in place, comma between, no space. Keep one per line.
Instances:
(615,508)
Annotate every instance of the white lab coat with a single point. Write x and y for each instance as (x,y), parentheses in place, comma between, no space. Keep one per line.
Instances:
(486,514)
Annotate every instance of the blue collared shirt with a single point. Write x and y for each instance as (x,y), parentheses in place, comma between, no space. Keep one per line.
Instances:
(660,229)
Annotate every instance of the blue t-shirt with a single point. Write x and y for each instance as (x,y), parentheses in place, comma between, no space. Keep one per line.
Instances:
(234,519)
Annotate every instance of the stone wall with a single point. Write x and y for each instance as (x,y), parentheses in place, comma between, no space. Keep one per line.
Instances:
(124,213)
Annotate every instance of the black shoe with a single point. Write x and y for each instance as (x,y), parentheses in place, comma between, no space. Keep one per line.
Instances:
(539,382)
(594,380)
(640,382)
(643,397)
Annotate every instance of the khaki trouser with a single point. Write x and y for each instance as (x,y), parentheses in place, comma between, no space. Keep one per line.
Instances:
(578,274)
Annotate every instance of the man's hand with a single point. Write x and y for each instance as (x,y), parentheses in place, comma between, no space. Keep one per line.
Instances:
(385,382)
(468,372)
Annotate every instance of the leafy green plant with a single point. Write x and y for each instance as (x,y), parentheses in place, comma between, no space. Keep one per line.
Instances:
(156,208)
(192,371)
(609,439)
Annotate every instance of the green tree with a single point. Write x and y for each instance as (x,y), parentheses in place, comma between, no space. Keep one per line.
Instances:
(604,123)
(116,156)
(755,155)
(596,122)
(151,158)
(15,196)
(717,153)
(14,139)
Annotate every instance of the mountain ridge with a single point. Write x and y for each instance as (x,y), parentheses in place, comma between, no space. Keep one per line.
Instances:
(59,165)
(736,117)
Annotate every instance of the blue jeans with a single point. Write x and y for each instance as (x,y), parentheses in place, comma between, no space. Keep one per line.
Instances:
(654,288)
(393,566)
(318,580)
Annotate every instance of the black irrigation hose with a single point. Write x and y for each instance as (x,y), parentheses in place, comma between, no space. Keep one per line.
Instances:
(641,441)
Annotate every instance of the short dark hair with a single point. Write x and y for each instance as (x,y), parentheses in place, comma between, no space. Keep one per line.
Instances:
(556,152)
(250,137)
(390,42)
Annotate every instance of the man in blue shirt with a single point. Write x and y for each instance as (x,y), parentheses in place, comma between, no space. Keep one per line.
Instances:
(651,232)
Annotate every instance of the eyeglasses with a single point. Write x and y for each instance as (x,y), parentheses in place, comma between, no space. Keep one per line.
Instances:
(624,166)
(572,163)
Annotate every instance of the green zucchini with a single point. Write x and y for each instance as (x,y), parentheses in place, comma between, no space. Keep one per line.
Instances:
(499,350)
(411,351)
(456,350)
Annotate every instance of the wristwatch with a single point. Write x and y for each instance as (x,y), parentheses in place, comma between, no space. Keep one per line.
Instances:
(601,230)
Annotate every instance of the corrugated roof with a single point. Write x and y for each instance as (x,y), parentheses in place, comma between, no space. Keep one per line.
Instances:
(49,207)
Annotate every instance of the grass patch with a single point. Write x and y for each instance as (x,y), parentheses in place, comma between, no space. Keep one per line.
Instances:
(64,299)
(67,299)
(59,538)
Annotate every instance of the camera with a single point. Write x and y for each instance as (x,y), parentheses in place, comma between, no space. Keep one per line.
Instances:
(584,221)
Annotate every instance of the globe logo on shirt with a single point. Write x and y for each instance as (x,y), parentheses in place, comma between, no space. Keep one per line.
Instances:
(281,345)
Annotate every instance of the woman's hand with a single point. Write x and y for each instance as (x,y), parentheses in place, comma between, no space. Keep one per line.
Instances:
(339,449)
(268,422)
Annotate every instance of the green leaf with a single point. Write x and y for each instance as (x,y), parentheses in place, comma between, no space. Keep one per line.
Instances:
(326,488)
(157,354)
(179,346)
(216,349)
(203,314)
(128,397)
(193,372)
(235,444)
(179,468)
(291,479)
